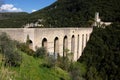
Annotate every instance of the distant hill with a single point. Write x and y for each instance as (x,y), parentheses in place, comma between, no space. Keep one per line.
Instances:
(78,12)
(74,13)
(13,19)
(8,15)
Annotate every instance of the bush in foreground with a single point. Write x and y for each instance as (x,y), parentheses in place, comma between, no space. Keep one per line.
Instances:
(41,52)
(9,51)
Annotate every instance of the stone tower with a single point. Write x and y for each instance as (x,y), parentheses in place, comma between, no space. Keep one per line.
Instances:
(97,19)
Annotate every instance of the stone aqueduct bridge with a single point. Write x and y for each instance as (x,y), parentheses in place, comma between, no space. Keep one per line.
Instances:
(54,39)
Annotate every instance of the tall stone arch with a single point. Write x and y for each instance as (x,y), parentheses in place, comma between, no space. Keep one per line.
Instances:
(30,44)
(82,42)
(65,45)
(44,43)
(78,46)
(73,44)
(56,45)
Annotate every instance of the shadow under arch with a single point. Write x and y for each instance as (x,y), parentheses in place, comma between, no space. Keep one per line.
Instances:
(56,46)
(82,42)
(78,46)
(65,45)
(44,43)
(30,44)
(73,44)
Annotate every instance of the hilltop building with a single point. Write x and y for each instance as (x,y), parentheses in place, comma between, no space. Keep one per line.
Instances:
(100,23)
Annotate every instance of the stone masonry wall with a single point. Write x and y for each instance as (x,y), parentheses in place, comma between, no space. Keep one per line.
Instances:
(36,35)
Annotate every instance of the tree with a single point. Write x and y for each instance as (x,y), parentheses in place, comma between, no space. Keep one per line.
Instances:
(101,54)
(9,51)
(41,52)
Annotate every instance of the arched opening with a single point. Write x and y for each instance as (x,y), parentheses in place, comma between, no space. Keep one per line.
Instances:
(44,43)
(65,45)
(30,44)
(78,47)
(73,44)
(82,42)
(56,45)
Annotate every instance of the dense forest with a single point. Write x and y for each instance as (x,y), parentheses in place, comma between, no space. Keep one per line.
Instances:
(102,54)
(70,13)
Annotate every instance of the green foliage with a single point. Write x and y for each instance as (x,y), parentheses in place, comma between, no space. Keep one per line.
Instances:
(50,62)
(77,71)
(42,68)
(9,51)
(69,13)
(102,54)
(41,52)
(13,20)
(8,15)
(30,69)
(65,61)
(25,48)
(13,58)
(92,74)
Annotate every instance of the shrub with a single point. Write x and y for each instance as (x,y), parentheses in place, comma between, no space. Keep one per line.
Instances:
(41,52)
(9,50)
(25,48)
(77,71)
(49,62)
(13,58)
(63,62)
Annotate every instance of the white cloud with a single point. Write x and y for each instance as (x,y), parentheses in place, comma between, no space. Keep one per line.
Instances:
(9,8)
(34,10)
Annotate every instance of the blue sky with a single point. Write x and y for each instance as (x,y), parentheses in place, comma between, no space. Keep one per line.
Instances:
(24,5)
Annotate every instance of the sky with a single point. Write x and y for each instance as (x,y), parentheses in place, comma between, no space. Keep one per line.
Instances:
(23,5)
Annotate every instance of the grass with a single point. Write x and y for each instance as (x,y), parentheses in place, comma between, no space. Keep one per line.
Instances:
(30,69)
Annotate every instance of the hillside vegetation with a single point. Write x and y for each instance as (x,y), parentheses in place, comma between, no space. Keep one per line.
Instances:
(70,13)
(30,69)
(13,19)
(102,54)
(9,15)
(19,62)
